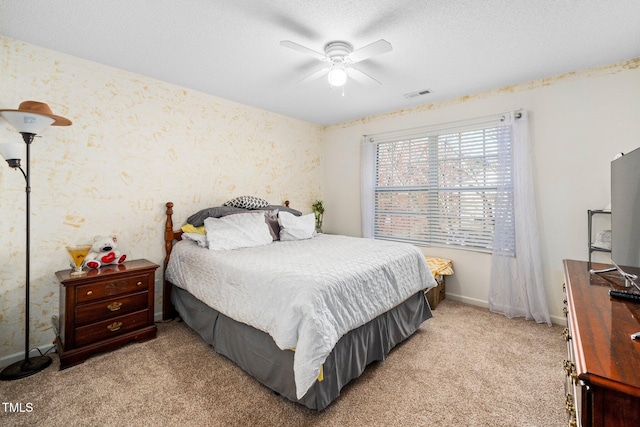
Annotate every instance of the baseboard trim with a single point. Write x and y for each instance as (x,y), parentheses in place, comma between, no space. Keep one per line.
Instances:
(556,320)
(559,320)
(16,357)
(467,300)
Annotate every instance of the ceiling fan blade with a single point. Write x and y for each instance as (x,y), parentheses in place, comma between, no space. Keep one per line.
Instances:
(362,78)
(315,76)
(302,49)
(373,49)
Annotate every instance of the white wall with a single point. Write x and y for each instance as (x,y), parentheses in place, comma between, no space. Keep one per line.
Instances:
(135,144)
(579,121)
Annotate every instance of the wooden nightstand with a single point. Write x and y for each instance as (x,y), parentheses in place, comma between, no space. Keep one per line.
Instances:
(105,309)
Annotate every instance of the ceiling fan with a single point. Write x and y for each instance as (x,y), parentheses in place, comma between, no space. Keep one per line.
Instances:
(340,57)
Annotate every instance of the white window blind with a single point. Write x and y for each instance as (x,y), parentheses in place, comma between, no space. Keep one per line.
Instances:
(441,187)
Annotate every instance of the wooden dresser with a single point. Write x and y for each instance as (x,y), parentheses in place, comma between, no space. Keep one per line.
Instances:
(105,309)
(603,364)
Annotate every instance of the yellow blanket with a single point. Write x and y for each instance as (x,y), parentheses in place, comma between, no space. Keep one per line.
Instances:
(439,267)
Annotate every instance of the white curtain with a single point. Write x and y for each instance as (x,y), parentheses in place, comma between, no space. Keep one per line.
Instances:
(517,285)
(368,184)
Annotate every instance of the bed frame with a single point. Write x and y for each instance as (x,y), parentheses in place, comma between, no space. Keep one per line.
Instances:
(170,236)
(274,368)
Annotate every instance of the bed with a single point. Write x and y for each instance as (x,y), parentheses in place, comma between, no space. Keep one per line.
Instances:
(304,317)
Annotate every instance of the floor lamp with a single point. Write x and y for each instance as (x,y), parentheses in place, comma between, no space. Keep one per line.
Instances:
(29,119)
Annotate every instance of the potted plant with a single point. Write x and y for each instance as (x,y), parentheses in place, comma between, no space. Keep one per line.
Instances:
(318,211)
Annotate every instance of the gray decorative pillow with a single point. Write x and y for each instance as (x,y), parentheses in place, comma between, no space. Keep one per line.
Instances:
(247,202)
(197,219)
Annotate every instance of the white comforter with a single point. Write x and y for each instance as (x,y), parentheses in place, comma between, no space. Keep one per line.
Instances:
(306,294)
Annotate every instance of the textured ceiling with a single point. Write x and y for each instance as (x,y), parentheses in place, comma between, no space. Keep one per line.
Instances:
(231,48)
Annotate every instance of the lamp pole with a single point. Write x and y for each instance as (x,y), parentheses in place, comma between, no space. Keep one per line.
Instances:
(30,365)
(28,139)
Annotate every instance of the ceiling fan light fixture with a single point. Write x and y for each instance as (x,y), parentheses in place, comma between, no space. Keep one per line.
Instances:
(337,75)
(339,54)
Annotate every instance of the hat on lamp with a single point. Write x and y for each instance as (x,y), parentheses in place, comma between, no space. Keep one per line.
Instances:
(42,109)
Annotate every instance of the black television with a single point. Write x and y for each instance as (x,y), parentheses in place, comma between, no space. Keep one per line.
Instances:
(625,213)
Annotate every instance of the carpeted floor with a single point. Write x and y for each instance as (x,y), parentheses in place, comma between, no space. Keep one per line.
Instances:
(464,367)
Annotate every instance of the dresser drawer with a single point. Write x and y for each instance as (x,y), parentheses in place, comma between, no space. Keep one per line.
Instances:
(114,287)
(109,308)
(110,328)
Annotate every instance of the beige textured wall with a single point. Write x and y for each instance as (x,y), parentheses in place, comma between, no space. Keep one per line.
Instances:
(578,122)
(135,144)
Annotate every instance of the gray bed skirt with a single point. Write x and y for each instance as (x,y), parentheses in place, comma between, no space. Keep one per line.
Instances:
(257,354)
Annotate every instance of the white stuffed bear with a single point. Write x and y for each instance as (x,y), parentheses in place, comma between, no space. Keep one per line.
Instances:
(103,252)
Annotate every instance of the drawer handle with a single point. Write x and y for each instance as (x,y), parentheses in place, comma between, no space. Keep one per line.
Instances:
(573,422)
(569,404)
(139,283)
(89,292)
(114,326)
(570,369)
(114,306)
(568,366)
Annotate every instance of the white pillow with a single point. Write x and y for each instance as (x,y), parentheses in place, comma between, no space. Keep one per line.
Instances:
(237,231)
(296,227)
(200,239)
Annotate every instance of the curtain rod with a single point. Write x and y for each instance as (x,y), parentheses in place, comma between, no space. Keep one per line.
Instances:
(404,133)
(516,114)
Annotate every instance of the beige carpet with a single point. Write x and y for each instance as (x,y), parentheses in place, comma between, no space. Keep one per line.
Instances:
(464,367)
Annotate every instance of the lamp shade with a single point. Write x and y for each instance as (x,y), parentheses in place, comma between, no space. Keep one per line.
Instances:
(27,122)
(337,75)
(12,150)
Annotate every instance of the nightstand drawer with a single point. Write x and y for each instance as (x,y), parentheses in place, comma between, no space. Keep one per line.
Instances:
(110,328)
(108,308)
(110,288)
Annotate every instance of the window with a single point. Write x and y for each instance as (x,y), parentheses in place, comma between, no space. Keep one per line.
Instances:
(442,187)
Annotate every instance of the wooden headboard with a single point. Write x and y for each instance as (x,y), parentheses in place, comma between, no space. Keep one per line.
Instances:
(171,236)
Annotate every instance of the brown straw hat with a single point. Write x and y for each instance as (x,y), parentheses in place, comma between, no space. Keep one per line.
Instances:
(43,109)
